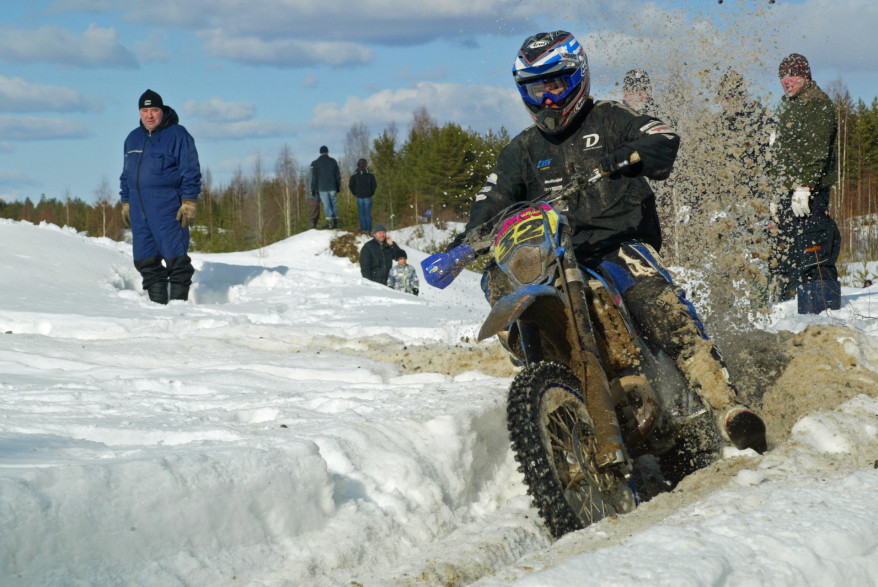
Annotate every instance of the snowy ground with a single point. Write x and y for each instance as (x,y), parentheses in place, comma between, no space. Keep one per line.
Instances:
(293,424)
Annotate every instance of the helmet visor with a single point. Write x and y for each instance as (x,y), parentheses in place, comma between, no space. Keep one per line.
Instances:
(555,88)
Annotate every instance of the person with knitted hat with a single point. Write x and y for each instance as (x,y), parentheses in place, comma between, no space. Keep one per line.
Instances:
(159,187)
(803,166)
(402,276)
(378,254)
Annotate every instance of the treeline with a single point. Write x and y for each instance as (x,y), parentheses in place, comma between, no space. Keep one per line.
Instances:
(854,203)
(436,168)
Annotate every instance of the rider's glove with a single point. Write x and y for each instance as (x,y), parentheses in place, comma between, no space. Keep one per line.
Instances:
(456,242)
(801,198)
(415,290)
(126,215)
(618,160)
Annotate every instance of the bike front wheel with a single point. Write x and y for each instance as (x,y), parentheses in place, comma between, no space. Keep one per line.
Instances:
(554,443)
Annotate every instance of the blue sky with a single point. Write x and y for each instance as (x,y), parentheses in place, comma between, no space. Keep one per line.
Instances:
(250,76)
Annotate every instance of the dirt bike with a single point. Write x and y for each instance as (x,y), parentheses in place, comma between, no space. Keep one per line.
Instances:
(592,397)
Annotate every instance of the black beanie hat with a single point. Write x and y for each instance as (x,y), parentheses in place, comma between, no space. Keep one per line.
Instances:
(361,163)
(150,99)
(324,149)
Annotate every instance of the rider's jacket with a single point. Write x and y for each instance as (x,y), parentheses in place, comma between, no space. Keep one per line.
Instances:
(606,214)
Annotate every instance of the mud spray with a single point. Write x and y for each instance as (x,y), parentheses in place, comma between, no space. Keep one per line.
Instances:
(713,75)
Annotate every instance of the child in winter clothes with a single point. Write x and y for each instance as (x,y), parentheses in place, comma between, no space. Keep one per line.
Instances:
(403,276)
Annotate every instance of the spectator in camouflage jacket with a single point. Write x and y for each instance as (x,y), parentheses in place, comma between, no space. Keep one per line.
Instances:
(403,276)
(803,167)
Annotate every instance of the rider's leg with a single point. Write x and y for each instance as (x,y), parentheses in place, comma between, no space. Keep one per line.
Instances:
(668,320)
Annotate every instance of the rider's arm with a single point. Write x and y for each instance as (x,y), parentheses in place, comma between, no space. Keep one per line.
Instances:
(656,142)
(507,184)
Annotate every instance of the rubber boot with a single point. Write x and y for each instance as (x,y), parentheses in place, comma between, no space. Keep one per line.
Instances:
(155,278)
(158,292)
(180,271)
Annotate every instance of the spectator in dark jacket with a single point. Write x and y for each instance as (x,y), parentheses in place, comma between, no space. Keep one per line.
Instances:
(363,185)
(377,255)
(159,186)
(325,182)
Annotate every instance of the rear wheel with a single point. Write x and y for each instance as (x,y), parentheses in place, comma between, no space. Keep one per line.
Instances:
(554,443)
(697,446)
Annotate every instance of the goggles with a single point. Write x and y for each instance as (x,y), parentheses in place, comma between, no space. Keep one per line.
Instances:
(555,88)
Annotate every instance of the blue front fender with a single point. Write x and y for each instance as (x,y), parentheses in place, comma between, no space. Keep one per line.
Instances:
(510,308)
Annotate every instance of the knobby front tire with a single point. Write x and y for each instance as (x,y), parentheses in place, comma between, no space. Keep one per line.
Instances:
(553,440)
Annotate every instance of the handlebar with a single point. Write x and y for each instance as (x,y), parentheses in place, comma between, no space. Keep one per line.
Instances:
(442,268)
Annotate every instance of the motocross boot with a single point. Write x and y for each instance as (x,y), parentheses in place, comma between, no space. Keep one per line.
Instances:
(669,321)
(743,428)
(737,424)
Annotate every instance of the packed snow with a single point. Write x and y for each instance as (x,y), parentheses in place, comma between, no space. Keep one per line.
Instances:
(294,424)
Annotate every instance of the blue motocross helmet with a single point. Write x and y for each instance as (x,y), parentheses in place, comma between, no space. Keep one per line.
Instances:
(552,66)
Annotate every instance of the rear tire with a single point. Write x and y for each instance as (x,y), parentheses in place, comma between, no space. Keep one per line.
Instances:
(697,446)
(553,440)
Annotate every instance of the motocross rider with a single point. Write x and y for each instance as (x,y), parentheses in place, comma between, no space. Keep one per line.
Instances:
(615,222)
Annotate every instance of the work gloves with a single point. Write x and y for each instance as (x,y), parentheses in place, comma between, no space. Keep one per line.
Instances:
(186,213)
(126,215)
(801,199)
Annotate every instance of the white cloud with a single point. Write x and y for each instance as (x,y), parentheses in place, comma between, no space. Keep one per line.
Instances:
(839,34)
(219,111)
(285,52)
(246,129)
(19,95)
(28,128)
(96,47)
(391,22)
(478,107)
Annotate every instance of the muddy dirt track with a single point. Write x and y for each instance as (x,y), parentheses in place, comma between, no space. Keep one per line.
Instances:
(788,376)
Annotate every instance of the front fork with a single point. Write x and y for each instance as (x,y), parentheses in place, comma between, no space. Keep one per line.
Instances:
(585,362)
